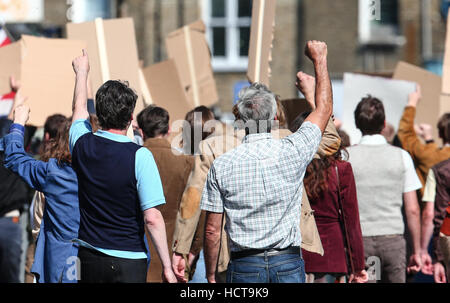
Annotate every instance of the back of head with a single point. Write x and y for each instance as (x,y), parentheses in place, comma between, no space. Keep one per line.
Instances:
(444,128)
(53,124)
(369,116)
(115,103)
(154,121)
(258,104)
(196,119)
(58,147)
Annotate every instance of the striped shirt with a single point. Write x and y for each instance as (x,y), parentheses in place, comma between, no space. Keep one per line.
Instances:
(259,187)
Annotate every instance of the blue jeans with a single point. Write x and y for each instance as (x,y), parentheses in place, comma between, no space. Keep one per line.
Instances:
(200,271)
(10,251)
(275,269)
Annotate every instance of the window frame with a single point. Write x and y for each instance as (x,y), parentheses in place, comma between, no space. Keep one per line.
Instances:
(232,61)
(366,26)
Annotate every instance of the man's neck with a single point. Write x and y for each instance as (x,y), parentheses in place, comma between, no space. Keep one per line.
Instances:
(122,132)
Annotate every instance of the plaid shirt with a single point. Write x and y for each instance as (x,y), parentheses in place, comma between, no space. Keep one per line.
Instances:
(259,186)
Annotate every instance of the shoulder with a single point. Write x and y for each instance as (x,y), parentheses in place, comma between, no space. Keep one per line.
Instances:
(81,126)
(144,154)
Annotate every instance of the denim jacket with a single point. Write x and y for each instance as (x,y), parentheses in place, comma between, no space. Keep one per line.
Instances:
(55,252)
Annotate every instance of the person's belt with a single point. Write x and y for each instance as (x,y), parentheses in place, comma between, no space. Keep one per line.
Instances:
(263,253)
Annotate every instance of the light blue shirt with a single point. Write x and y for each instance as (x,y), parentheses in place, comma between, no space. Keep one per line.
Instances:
(149,184)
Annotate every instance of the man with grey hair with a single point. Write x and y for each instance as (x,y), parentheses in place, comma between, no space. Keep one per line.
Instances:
(257,187)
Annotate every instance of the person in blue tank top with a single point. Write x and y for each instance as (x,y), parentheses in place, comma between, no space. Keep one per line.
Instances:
(120,187)
(55,258)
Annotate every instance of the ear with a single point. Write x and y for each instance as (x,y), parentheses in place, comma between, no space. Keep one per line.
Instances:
(46,136)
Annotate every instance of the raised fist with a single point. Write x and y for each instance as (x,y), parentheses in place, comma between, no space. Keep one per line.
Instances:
(307,86)
(316,50)
(81,64)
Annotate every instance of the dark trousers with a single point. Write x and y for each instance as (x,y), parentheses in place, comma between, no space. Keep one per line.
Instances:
(10,250)
(388,257)
(97,267)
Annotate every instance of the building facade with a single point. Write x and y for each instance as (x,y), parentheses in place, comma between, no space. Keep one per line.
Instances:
(362,35)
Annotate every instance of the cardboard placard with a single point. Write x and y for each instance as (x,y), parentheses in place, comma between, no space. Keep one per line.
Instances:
(189,49)
(261,38)
(10,58)
(112,50)
(428,109)
(47,76)
(446,66)
(444,105)
(166,90)
(393,93)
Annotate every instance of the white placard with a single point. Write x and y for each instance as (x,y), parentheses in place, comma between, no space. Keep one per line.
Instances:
(393,93)
(21,11)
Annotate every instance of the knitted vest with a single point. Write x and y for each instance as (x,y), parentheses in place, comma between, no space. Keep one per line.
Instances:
(110,213)
(379,176)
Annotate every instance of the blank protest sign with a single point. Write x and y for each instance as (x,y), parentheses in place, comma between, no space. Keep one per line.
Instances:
(393,93)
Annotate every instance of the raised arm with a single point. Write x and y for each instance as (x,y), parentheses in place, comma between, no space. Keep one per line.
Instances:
(407,133)
(81,68)
(331,141)
(33,172)
(317,52)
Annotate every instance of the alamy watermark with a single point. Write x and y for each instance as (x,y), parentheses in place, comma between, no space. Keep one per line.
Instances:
(373,264)
(374,9)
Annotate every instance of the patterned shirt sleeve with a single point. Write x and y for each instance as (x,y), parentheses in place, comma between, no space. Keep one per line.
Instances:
(306,140)
(211,197)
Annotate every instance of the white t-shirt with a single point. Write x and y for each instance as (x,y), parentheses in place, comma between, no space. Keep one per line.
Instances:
(412,181)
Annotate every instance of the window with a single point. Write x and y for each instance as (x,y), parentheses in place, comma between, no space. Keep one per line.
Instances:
(88,10)
(228,32)
(379,22)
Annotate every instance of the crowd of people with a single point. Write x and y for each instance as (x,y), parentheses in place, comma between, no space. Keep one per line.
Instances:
(259,200)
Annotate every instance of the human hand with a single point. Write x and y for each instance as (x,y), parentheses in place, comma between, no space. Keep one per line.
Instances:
(439,273)
(211,278)
(415,264)
(168,276)
(306,84)
(21,114)
(179,266)
(425,131)
(14,84)
(359,277)
(191,259)
(427,264)
(81,64)
(316,50)
(415,97)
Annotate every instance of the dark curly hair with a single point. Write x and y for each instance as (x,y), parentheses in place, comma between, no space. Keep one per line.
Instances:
(115,103)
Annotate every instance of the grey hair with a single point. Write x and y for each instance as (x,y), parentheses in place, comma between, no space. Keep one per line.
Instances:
(257,103)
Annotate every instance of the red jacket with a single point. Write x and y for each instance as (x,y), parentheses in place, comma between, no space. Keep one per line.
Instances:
(326,209)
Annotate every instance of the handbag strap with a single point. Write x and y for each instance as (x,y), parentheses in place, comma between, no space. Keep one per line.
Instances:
(343,223)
